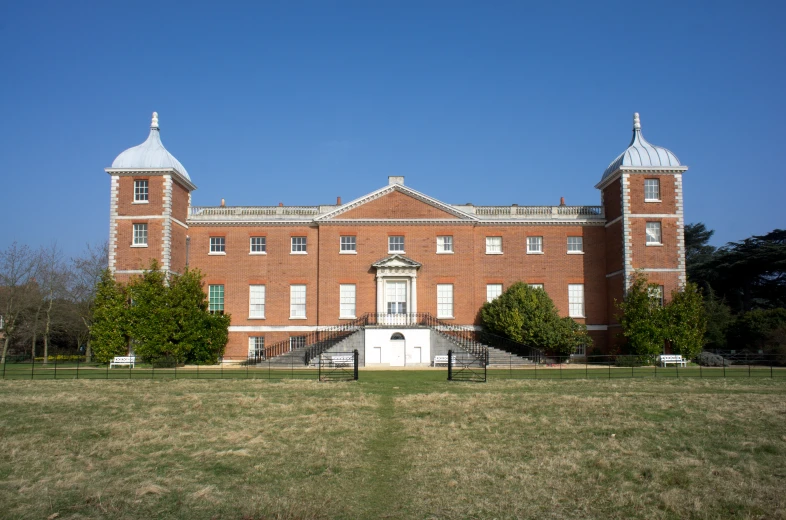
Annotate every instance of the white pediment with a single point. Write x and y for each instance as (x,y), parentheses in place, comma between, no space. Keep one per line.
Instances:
(396,261)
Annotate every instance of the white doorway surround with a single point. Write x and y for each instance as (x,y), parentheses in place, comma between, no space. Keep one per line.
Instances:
(398,350)
(397,288)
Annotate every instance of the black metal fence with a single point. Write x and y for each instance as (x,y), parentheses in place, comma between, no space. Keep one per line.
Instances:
(338,366)
(463,366)
(627,367)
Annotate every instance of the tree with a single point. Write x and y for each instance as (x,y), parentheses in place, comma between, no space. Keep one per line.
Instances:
(109,319)
(718,320)
(686,321)
(170,319)
(698,252)
(753,329)
(18,269)
(86,272)
(642,318)
(528,316)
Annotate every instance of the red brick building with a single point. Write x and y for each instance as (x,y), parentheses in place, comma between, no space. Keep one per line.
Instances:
(284,271)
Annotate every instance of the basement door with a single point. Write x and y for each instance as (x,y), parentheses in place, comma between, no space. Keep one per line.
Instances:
(398,348)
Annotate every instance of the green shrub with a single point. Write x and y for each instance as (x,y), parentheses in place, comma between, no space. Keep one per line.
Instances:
(708,359)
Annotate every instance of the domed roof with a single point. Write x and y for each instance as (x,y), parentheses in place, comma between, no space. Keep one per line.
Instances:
(150,155)
(642,153)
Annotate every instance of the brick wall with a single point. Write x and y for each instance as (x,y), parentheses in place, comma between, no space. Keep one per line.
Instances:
(667,195)
(396,205)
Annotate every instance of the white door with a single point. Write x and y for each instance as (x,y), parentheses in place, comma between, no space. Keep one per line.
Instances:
(396,297)
(398,350)
(417,355)
(377,355)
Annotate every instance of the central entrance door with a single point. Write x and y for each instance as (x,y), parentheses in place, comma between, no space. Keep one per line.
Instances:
(398,348)
(396,297)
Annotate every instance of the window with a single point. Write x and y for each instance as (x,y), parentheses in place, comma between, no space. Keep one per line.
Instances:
(493,291)
(2,323)
(653,233)
(444,300)
(534,245)
(217,245)
(299,245)
(395,244)
(256,347)
(140,191)
(215,299)
(581,351)
(258,245)
(347,303)
(297,342)
(445,244)
(396,297)
(576,300)
(656,294)
(297,301)
(140,235)
(493,245)
(575,245)
(652,190)
(256,301)
(536,285)
(349,244)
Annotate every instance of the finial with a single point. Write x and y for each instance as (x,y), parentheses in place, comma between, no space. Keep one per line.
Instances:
(154,123)
(636,121)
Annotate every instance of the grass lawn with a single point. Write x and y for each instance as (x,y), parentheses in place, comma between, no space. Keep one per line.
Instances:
(393,445)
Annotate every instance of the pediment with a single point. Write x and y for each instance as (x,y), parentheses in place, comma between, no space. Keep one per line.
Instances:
(396,202)
(397,261)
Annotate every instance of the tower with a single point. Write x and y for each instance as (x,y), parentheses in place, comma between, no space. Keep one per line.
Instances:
(150,195)
(642,194)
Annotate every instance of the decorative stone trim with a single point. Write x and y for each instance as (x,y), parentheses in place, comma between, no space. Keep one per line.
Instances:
(680,229)
(166,236)
(114,187)
(627,242)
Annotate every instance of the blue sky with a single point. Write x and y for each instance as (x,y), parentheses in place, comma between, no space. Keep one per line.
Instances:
(492,103)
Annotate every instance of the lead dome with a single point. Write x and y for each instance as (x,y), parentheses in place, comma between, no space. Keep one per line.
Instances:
(642,153)
(150,155)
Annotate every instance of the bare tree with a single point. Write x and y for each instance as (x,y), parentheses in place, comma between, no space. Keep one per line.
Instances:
(18,269)
(85,273)
(53,283)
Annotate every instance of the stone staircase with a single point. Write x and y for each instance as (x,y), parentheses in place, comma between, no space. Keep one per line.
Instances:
(498,358)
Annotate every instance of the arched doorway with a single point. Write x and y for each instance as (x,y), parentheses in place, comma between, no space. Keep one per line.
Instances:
(398,348)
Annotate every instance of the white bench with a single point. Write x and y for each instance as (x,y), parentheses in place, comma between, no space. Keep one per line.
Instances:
(123,361)
(443,360)
(676,359)
(343,360)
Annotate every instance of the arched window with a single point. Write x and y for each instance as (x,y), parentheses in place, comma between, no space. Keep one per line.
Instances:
(397,335)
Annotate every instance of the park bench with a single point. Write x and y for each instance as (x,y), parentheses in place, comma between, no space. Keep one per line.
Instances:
(123,361)
(443,360)
(343,360)
(676,359)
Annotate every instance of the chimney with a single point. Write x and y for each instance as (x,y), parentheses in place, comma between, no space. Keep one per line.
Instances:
(223,204)
(338,201)
(280,204)
(395,179)
(562,201)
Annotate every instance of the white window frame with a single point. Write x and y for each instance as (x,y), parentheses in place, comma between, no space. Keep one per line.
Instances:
(651,230)
(494,245)
(656,293)
(218,246)
(299,245)
(139,235)
(393,240)
(216,298)
(445,245)
(348,245)
(575,245)
(493,291)
(445,300)
(256,346)
(261,246)
(297,302)
(256,301)
(650,186)
(347,300)
(535,245)
(141,191)
(576,300)
(536,286)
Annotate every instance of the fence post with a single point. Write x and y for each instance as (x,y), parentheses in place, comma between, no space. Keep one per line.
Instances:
(55,364)
(356,355)
(677,368)
(749,368)
(107,371)
(77,367)
(450,365)
(724,368)
(560,368)
(586,367)
(4,362)
(32,368)
(609,368)
(772,361)
(700,373)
